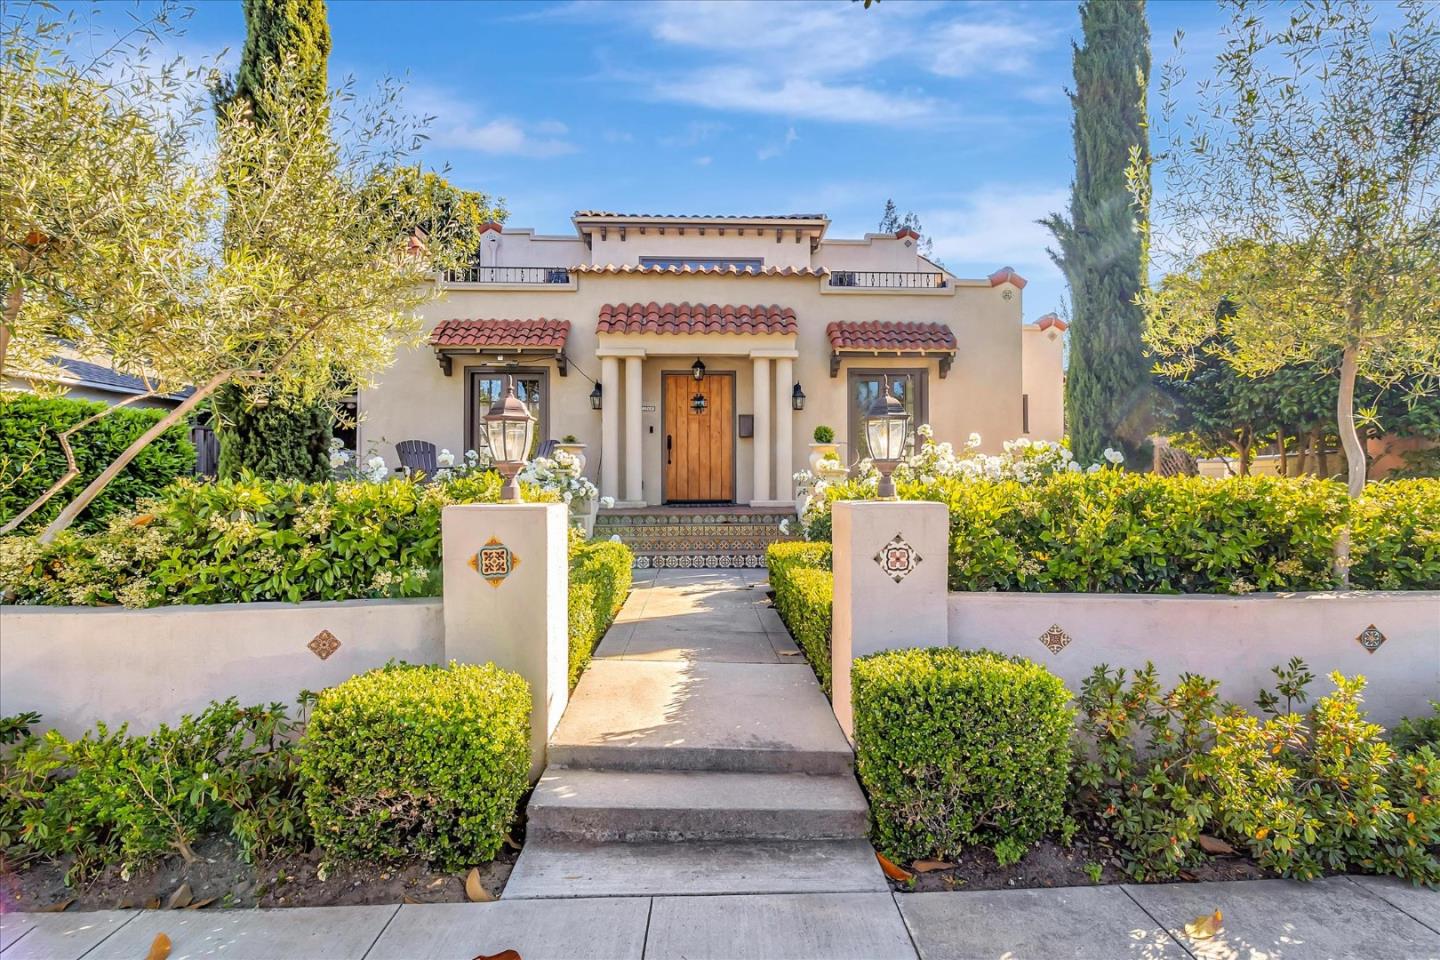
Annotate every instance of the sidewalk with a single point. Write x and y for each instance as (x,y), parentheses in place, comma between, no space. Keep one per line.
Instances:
(1342,917)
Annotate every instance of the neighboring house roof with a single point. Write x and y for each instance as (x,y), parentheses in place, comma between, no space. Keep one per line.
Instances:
(540,333)
(535,337)
(694,318)
(605,214)
(1007,275)
(1051,320)
(887,337)
(97,376)
(729,270)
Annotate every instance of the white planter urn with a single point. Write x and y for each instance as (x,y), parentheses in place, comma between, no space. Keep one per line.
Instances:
(821,451)
(576,450)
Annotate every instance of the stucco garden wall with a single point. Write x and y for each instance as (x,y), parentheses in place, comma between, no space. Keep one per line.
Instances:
(1233,639)
(77,665)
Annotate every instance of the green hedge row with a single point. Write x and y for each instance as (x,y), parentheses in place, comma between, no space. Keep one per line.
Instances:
(600,576)
(804,591)
(31,458)
(959,747)
(1115,532)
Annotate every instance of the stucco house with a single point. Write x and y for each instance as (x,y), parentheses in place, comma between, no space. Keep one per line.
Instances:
(607,330)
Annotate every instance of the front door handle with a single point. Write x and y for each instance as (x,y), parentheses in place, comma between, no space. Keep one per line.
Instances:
(668,445)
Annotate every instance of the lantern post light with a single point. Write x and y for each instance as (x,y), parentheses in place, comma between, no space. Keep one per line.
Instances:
(887,428)
(596,396)
(509,428)
(797,397)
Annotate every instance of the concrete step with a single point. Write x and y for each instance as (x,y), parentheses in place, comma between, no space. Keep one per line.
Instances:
(673,806)
(550,869)
(678,715)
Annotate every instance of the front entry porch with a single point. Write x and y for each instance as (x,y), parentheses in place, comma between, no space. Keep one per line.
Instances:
(698,537)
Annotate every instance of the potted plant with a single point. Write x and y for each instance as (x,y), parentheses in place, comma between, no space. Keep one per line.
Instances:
(823,448)
(568,444)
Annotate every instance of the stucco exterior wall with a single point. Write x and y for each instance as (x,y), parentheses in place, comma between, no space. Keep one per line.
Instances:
(414,400)
(1233,639)
(79,665)
(1043,379)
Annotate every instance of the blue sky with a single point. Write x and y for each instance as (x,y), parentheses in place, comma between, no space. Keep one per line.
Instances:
(956,110)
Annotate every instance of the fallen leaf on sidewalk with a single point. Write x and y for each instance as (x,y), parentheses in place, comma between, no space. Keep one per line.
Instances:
(925,866)
(789,653)
(1204,927)
(898,874)
(474,889)
(502,955)
(159,948)
(1215,846)
(60,907)
(202,904)
(182,897)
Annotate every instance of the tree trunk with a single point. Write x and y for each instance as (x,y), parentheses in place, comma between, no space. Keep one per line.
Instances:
(82,500)
(1246,442)
(1345,418)
(1302,452)
(13,299)
(1284,454)
(1322,460)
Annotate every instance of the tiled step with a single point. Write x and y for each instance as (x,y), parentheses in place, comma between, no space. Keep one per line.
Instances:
(552,869)
(676,806)
(697,537)
(678,715)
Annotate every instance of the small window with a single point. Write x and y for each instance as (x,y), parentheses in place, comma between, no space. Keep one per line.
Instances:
(908,386)
(487,386)
(746,264)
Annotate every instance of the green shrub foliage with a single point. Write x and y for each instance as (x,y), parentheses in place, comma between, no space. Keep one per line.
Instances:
(110,797)
(1395,536)
(804,591)
(960,747)
(418,761)
(600,576)
(31,458)
(249,540)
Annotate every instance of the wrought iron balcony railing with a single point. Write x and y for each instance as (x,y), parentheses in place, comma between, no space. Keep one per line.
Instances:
(888,279)
(509,275)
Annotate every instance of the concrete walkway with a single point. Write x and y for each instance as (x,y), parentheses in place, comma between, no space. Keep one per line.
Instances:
(697,756)
(1348,918)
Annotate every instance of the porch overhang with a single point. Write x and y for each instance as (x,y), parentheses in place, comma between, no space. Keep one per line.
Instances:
(891,339)
(670,329)
(519,340)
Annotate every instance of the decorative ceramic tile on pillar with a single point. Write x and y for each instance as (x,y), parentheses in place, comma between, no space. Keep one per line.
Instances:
(506,600)
(890,561)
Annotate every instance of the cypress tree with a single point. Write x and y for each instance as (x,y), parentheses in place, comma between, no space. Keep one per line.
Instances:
(276,440)
(1107,391)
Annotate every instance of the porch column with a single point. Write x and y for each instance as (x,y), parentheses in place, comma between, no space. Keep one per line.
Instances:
(761,442)
(634,467)
(610,427)
(784,415)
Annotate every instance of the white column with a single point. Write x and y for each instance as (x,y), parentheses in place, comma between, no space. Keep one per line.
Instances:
(784,415)
(610,427)
(634,466)
(761,443)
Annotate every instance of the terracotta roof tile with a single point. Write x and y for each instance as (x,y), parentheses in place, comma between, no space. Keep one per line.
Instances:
(589,214)
(531,334)
(1007,275)
(694,318)
(891,337)
(904,232)
(489,225)
(730,271)
(1051,320)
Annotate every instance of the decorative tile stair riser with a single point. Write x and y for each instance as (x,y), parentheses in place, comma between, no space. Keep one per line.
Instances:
(698,537)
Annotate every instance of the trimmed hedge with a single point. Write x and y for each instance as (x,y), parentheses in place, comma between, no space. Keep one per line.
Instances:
(31,459)
(804,593)
(248,540)
(600,576)
(419,761)
(1395,536)
(958,747)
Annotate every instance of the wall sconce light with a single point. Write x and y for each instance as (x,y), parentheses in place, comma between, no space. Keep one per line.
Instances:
(697,403)
(595,396)
(797,398)
(697,370)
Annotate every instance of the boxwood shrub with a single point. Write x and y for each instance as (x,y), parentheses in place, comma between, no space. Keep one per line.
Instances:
(418,761)
(959,747)
(1395,536)
(804,591)
(600,575)
(31,459)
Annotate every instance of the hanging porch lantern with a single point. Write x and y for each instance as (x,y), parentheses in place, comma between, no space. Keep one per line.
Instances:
(595,396)
(887,429)
(509,428)
(697,370)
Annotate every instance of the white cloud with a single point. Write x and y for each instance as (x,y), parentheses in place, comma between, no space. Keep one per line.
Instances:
(759,91)
(703,161)
(458,124)
(776,149)
(997,226)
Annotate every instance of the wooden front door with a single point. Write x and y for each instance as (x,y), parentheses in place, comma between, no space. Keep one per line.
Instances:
(699,447)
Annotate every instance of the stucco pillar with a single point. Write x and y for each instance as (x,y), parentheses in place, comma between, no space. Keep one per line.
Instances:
(760,445)
(890,562)
(507,597)
(634,464)
(610,427)
(784,436)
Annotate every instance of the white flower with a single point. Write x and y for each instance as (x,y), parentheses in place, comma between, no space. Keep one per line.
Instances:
(1093,468)
(614,538)
(339,458)
(1114,456)
(925,431)
(785,525)
(974,440)
(1072,466)
(607,502)
(445,458)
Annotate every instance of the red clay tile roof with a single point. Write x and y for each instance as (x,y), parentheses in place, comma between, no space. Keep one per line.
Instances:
(529,334)
(1007,274)
(730,271)
(598,214)
(891,337)
(694,318)
(489,225)
(904,232)
(1051,320)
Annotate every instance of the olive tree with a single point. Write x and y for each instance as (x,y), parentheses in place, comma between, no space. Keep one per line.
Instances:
(1303,191)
